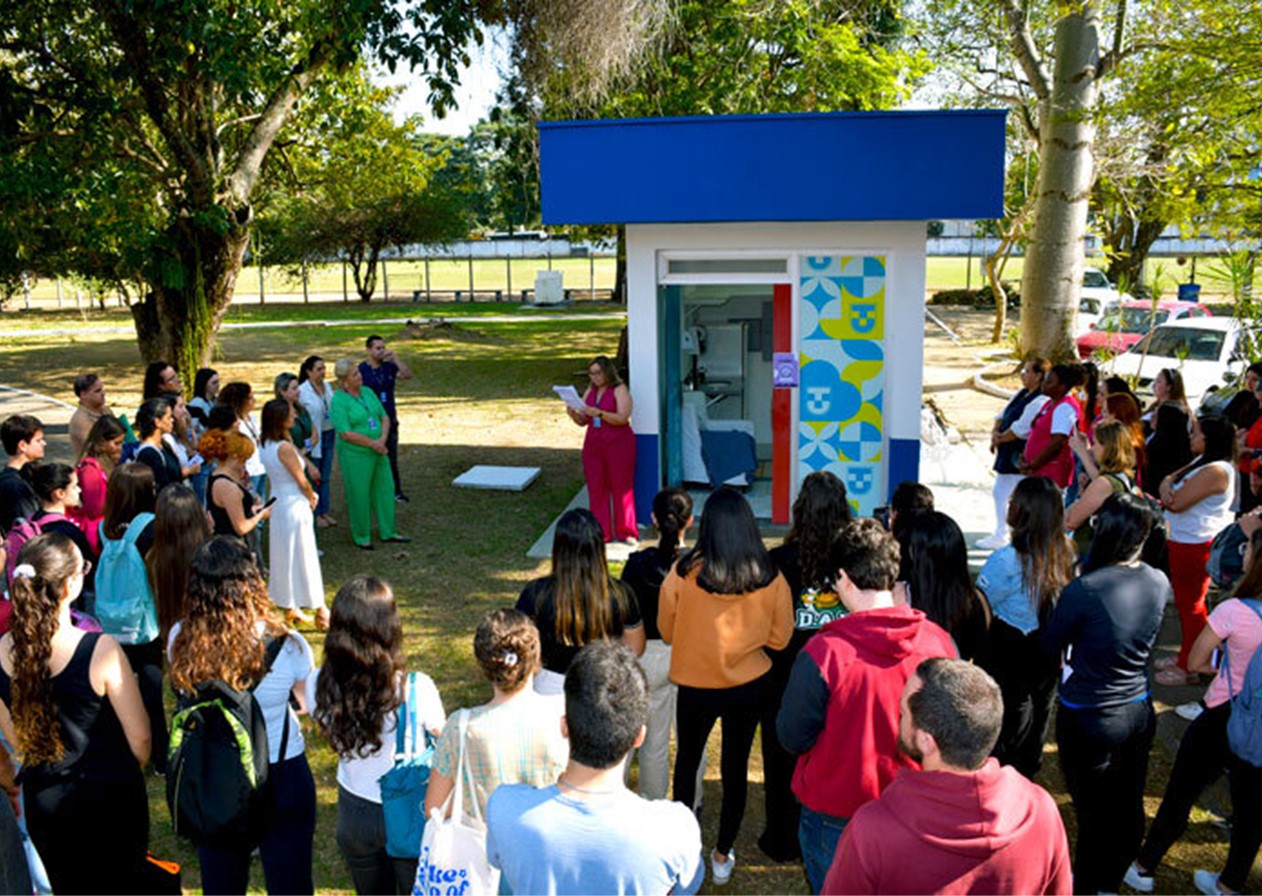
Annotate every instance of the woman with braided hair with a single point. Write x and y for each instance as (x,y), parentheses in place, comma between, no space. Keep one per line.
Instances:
(70,705)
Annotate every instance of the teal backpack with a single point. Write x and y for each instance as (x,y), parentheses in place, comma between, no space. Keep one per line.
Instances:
(124,602)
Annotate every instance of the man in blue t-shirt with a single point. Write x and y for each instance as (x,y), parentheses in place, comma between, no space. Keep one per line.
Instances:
(588,833)
(380,372)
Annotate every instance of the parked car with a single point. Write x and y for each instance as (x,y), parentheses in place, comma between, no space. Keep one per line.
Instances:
(1206,350)
(1097,298)
(1120,330)
(1090,310)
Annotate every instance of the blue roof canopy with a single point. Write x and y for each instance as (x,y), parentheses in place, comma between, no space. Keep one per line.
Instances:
(838,166)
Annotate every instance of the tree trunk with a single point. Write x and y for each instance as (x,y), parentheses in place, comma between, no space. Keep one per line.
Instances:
(178,318)
(1126,270)
(364,271)
(619,294)
(1054,257)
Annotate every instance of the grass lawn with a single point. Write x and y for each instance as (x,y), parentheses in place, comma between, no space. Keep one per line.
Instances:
(483,397)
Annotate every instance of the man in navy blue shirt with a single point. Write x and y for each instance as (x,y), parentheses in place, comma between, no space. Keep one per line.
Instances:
(380,372)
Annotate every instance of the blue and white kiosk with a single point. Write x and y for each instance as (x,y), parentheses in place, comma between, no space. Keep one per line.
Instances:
(776,282)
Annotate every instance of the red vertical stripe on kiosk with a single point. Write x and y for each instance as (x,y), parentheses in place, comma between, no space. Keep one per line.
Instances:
(781,407)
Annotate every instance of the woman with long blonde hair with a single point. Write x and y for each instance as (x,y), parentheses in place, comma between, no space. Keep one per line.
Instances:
(70,705)
(1113,456)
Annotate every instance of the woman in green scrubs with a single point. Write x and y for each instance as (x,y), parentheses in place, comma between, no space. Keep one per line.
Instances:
(362,429)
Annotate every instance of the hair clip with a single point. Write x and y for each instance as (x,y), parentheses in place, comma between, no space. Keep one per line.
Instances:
(510,658)
(24,571)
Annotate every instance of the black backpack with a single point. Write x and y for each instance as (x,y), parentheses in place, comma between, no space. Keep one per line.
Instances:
(218,762)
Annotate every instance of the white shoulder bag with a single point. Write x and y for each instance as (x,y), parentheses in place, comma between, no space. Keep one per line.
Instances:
(453,849)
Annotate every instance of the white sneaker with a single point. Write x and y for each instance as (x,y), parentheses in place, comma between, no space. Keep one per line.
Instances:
(1206,882)
(992,542)
(721,872)
(1190,711)
(1137,881)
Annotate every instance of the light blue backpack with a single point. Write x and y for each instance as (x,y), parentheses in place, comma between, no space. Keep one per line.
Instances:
(124,601)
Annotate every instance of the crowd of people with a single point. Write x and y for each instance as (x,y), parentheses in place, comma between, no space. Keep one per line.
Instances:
(904,705)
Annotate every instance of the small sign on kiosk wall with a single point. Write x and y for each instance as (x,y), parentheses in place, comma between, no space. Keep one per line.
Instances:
(784,367)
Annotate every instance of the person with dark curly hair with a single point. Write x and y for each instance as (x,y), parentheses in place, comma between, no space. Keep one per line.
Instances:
(225,637)
(70,705)
(819,511)
(516,737)
(356,697)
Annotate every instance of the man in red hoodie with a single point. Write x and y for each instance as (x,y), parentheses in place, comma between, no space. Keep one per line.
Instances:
(965,824)
(839,713)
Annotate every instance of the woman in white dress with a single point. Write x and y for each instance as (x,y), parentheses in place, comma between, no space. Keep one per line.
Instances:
(294,580)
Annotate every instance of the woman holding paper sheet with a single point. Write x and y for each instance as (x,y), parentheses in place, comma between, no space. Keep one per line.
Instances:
(609,451)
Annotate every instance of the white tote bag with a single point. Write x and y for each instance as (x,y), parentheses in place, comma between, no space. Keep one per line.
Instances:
(453,849)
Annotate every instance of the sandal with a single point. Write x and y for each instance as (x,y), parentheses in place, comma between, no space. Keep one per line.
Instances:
(1166,662)
(322,619)
(324,522)
(1175,677)
(297,618)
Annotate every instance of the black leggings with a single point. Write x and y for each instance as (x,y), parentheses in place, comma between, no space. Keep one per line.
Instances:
(1104,755)
(696,711)
(1202,757)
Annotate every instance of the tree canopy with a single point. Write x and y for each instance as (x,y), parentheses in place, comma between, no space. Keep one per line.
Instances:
(143,130)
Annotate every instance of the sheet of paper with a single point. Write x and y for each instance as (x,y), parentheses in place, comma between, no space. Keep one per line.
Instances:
(570,396)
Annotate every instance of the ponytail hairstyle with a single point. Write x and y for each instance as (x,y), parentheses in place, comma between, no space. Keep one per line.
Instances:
(131,490)
(45,564)
(217,640)
(179,529)
(46,478)
(1036,516)
(581,588)
(506,646)
(672,508)
(359,683)
(820,510)
(304,371)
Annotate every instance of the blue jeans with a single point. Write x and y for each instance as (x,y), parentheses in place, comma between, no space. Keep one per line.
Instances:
(286,848)
(818,835)
(327,441)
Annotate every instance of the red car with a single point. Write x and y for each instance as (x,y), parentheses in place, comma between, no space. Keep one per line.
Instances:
(1119,330)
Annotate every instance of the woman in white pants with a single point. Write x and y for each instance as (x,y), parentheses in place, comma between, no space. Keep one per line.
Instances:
(644,572)
(1007,440)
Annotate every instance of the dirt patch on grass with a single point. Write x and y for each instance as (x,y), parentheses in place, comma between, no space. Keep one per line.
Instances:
(441,328)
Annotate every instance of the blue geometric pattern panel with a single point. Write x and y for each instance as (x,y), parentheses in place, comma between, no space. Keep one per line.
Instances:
(842,358)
